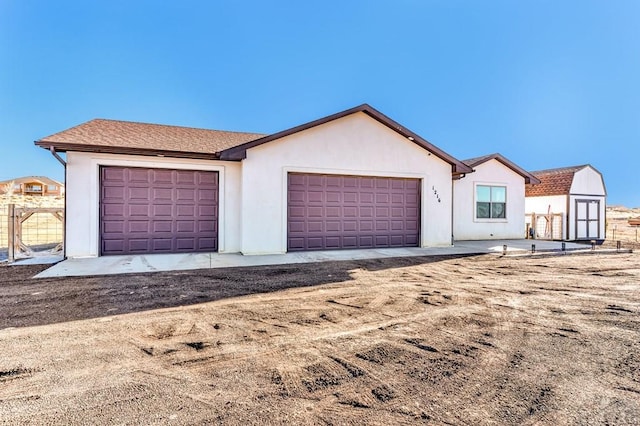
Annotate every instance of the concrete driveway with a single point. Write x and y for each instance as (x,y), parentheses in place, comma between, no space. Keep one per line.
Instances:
(108,265)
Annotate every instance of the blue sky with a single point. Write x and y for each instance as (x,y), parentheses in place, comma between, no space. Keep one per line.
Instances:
(545,83)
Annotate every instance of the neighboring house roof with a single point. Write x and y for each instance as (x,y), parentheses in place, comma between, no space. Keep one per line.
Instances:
(240,152)
(528,177)
(30,179)
(554,181)
(123,137)
(126,137)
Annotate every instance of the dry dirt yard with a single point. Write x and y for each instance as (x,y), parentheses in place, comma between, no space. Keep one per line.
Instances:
(471,340)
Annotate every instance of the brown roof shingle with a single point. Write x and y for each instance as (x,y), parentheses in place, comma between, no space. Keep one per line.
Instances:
(123,136)
(553,181)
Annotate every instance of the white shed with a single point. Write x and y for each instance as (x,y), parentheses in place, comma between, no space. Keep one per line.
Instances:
(489,203)
(570,203)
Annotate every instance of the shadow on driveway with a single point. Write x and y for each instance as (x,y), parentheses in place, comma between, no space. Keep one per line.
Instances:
(29,302)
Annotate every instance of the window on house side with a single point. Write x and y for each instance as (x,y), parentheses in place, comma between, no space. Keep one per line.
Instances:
(491,202)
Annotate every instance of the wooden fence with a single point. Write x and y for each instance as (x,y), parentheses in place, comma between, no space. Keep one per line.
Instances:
(32,228)
(544,226)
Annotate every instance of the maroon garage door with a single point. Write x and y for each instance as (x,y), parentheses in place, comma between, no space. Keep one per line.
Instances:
(158,211)
(341,212)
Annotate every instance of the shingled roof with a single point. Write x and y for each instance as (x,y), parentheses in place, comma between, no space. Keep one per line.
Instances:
(528,177)
(126,137)
(553,181)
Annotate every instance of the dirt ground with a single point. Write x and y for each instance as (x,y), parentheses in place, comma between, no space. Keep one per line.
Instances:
(470,340)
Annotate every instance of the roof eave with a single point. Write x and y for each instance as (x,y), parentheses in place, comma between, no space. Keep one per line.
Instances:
(528,177)
(239,152)
(65,147)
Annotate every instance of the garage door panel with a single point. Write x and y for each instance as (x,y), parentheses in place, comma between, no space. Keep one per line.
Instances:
(315,212)
(366,226)
(367,182)
(296,196)
(382,198)
(207,196)
(366,211)
(138,193)
(117,210)
(382,212)
(162,226)
(333,212)
(183,194)
(297,212)
(333,226)
(350,197)
(382,240)
(350,212)
(114,227)
(296,227)
(333,197)
(314,197)
(187,210)
(158,210)
(139,227)
(314,227)
(350,242)
(139,245)
(332,242)
(186,177)
(316,243)
(137,176)
(350,226)
(366,197)
(382,225)
(114,245)
(113,193)
(396,241)
(314,181)
(411,240)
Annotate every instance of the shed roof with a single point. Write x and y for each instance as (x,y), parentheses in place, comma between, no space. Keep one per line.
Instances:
(554,181)
(528,177)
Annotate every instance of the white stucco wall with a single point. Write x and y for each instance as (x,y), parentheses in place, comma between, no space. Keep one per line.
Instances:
(540,205)
(587,181)
(466,226)
(82,197)
(354,145)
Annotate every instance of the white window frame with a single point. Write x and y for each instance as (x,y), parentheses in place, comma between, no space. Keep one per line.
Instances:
(475,202)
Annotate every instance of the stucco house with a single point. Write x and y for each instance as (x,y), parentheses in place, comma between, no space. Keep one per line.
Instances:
(32,185)
(575,197)
(489,203)
(355,179)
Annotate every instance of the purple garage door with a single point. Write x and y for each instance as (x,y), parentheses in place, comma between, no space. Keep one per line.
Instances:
(341,212)
(158,211)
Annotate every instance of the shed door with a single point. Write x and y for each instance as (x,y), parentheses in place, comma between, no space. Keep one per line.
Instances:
(587,219)
(158,211)
(343,212)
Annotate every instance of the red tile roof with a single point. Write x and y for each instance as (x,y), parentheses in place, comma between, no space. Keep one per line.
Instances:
(552,181)
(122,136)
